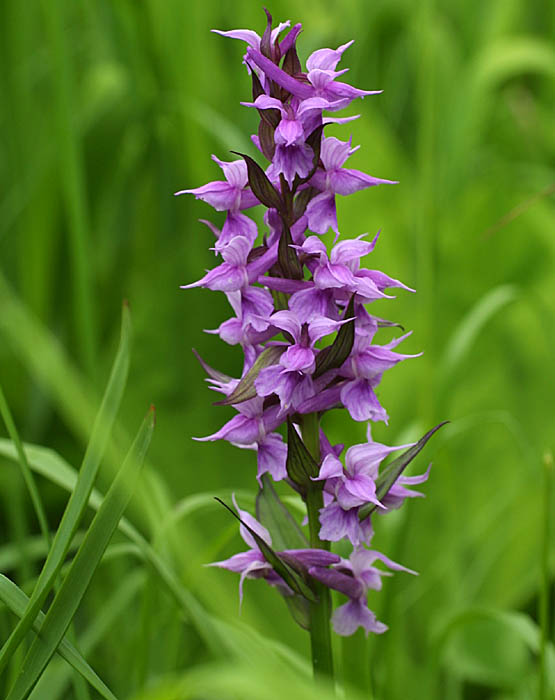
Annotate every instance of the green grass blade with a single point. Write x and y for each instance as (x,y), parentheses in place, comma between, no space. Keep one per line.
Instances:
(25,470)
(16,600)
(86,560)
(80,496)
(544,602)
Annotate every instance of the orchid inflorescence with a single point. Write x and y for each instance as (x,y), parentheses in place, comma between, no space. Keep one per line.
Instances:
(288,292)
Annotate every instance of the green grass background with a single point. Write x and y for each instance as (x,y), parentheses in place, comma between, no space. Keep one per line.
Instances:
(108,108)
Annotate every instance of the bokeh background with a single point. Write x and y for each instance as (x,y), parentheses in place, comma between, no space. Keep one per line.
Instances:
(108,107)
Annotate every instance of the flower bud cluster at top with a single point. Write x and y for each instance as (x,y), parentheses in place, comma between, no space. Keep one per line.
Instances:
(288,292)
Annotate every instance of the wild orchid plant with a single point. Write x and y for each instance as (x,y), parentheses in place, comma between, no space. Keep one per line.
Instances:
(288,293)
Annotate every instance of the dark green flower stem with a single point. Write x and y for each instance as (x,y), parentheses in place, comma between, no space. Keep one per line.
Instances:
(320,612)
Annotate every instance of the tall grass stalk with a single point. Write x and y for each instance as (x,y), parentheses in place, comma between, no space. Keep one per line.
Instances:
(545,589)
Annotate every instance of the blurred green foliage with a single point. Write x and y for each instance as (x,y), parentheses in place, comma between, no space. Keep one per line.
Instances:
(108,108)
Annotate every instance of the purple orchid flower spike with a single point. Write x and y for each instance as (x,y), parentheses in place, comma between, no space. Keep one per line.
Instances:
(309,343)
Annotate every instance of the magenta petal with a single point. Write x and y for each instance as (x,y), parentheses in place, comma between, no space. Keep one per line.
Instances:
(334,277)
(319,326)
(237,224)
(246,35)
(235,171)
(346,181)
(338,581)
(240,429)
(298,358)
(220,195)
(383,281)
(349,617)
(337,523)
(366,457)
(313,557)
(272,456)
(326,59)
(308,302)
(267,380)
(289,132)
(346,251)
(331,467)
(335,152)
(295,87)
(323,400)
(360,400)
(287,321)
(363,488)
(254,525)
(224,278)
(321,213)
(241,561)
(293,160)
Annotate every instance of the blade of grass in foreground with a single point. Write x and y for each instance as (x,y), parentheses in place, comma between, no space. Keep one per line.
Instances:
(15,599)
(80,496)
(25,470)
(86,560)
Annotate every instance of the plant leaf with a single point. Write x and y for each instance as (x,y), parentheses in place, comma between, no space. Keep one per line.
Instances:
(291,63)
(80,496)
(266,133)
(394,470)
(300,610)
(245,390)
(262,188)
(75,584)
(300,463)
(273,514)
(287,256)
(15,599)
(335,354)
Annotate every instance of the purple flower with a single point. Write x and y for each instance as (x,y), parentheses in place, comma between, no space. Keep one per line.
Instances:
(252,564)
(292,156)
(290,379)
(355,577)
(249,325)
(345,490)
(365,367)
(230,194)
(253,429)
(236,272)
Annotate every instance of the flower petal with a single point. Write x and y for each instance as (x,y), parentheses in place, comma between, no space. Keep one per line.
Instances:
(349,617)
